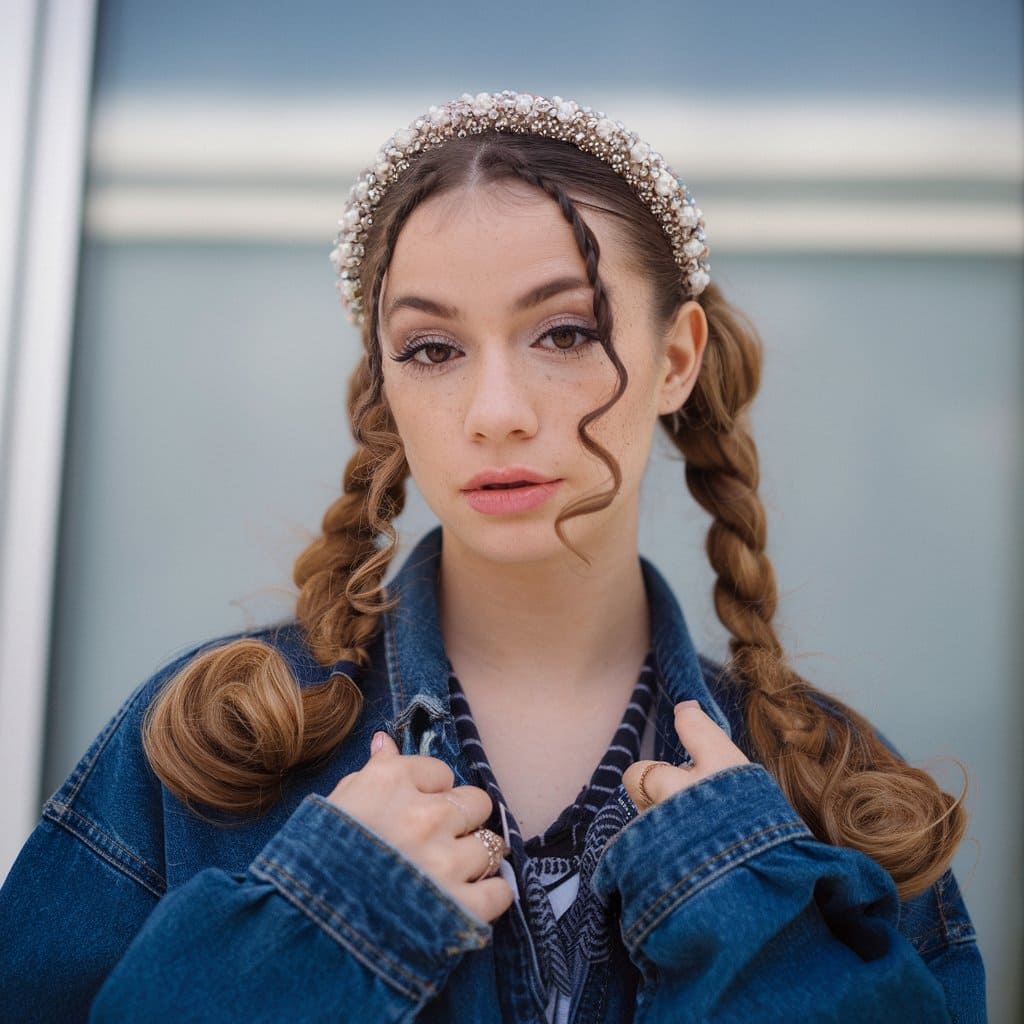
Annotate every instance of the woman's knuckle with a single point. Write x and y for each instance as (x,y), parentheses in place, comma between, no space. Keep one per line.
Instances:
(420,819)
(481,807)
(343,785)
(429,771)
(386,772)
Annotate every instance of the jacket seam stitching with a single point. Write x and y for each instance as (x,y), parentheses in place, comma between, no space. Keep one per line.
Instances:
(131,866)
(84,770)
(663,712)
(395,855)
(937,889)
(272,869)
(642,926)
(621,835)
(391,660)
(948,941)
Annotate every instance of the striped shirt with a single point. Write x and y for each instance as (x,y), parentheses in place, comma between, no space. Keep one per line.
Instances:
(568,927)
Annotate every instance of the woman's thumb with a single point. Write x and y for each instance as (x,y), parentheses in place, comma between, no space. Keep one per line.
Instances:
(647,782)
(382,743)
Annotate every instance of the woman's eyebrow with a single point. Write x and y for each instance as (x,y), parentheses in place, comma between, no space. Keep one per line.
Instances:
(532,298)
(545,291)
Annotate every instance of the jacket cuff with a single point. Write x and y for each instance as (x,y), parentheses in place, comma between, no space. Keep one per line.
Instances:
(369,898)
(709,828)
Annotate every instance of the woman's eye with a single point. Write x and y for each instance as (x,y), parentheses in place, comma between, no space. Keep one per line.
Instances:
(429,353)
(567,338)
(434,353)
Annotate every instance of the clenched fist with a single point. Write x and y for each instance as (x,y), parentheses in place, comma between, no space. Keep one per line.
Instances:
(410,801)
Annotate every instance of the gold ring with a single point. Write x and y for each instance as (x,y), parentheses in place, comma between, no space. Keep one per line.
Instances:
(496,849)
(643,779)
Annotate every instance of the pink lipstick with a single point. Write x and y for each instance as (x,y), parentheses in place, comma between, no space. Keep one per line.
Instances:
(508,489)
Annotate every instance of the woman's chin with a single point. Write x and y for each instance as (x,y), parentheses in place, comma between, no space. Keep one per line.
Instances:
(506,540)
(520,540)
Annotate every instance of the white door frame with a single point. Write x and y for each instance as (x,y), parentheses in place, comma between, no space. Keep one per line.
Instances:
(46,57)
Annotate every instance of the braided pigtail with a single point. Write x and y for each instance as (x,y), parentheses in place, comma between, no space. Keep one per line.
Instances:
(849,787)
(228,728)
(340,573)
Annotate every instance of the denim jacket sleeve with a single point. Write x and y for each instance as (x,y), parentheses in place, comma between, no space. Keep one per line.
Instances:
(328,922)
(743,915)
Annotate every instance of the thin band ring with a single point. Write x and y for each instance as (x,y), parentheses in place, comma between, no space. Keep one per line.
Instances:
(641,782)
(496,849)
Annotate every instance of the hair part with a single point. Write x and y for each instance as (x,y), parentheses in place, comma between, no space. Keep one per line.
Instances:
(234,722)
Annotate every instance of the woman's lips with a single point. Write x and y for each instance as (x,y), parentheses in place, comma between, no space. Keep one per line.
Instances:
(504,476)
(505,499)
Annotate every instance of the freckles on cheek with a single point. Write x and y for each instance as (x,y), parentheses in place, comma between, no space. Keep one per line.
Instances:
(429,444)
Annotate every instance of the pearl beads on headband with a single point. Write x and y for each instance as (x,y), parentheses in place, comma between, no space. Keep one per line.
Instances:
(653,181)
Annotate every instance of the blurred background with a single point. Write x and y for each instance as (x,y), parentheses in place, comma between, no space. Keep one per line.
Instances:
(173,357)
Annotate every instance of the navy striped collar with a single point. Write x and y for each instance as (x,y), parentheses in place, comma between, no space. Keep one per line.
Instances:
(564,836)
(565,947)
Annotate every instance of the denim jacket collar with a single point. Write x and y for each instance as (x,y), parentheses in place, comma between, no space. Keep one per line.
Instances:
(418,667)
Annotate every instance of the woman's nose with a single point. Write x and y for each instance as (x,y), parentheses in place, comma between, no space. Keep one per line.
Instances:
(500,403)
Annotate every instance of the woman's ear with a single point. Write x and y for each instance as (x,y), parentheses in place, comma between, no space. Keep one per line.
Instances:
(682,351)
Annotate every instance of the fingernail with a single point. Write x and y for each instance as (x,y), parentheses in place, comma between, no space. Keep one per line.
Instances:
(377,742)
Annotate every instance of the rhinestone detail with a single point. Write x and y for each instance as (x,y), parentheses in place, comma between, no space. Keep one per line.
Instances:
(642,167)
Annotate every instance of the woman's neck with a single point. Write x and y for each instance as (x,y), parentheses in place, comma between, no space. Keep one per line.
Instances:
(557,629)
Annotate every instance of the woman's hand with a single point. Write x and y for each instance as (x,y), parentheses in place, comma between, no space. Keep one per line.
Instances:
(410,801)
(708,746)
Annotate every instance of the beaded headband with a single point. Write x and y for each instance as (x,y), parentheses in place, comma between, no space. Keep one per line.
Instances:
(520,113)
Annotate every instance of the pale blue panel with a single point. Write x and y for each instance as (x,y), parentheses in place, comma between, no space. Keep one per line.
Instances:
(922,48)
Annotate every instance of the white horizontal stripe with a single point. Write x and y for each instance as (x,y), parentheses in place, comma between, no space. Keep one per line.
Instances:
(249,137)
(233,213)
(619,747)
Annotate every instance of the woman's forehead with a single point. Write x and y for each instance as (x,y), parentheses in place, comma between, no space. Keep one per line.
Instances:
(504,228)
(487,205)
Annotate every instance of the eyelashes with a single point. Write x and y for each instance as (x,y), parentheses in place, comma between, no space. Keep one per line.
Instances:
(429,348)
(438,352)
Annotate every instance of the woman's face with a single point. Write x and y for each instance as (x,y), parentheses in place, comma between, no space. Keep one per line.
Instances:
(490,361)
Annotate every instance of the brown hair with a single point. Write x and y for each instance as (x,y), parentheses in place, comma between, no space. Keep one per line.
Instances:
(230,726)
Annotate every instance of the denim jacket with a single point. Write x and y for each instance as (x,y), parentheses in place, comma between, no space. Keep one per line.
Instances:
(125,906)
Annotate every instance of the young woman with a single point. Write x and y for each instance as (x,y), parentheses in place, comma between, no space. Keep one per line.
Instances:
(505,787)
